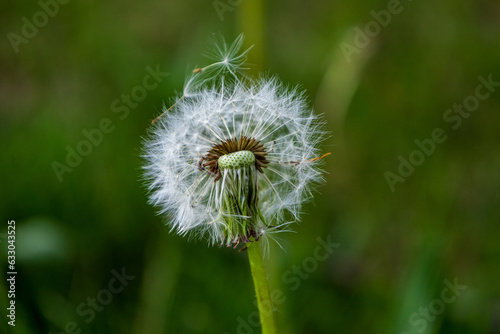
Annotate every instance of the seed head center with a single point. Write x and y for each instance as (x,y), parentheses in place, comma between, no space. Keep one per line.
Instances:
(236,159)
(234,153)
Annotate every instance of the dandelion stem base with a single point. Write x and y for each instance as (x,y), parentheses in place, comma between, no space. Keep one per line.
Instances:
(266,309)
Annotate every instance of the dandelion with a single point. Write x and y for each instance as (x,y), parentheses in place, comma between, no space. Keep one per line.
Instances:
(233,160)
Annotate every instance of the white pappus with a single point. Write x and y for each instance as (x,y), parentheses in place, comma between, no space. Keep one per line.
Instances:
(234,158)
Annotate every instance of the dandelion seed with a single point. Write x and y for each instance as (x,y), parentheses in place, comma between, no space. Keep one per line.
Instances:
(233,159)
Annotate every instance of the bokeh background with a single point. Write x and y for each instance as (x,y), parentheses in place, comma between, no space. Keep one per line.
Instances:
(397,247)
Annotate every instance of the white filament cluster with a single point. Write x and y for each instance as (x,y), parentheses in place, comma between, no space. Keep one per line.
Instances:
(261,109)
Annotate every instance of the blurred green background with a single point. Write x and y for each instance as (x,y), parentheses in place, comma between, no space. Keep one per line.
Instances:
(397,246)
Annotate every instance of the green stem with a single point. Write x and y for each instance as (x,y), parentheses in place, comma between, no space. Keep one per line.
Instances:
(259,276)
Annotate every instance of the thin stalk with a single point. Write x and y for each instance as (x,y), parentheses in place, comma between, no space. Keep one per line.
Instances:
(259,276)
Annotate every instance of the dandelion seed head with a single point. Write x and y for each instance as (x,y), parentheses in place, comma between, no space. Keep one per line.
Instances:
(234,160)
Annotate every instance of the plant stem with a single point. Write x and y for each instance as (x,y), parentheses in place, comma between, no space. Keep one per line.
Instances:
(266,309)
